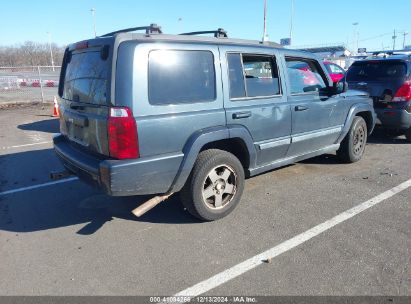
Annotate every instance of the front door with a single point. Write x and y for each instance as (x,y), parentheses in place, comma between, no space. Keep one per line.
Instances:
(314,115)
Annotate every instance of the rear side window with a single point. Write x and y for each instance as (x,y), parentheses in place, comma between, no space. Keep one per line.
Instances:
(362,70)
(304,76)
(86,78)
(252,76)
(181,77)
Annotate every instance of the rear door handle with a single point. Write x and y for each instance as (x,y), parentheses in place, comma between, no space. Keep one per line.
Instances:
(240,115)
(301,108)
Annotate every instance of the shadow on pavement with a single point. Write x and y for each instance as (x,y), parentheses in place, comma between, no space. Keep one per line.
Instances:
(48,126)
(70,203)
(36,211)
(326,159)
(383,136)
(75,203)
(380,136)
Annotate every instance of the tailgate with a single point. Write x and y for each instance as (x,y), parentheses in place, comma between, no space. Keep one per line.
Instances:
(381,92)
(380,78)
(85,95)
(85,125)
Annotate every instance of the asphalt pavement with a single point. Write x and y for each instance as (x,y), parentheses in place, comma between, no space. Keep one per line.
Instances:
(69,239)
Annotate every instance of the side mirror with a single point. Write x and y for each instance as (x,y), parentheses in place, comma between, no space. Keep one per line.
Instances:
(339,87)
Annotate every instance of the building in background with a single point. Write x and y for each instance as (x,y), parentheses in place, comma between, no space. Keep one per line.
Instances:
(338,54)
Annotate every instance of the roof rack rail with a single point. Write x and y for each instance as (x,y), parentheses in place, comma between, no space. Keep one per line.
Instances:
(150,29)
(391,53)
(219,33)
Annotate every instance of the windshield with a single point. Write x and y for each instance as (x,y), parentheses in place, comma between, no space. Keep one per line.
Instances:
(376,70)
(86,78)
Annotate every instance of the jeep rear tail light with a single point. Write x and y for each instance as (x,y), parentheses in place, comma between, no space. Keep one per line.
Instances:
(403,93)
(122,134)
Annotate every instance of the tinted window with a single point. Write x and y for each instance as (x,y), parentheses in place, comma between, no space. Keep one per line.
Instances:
(176,77)
(86,78)
(304,76)
(361,70)
(236,76)
(256,74)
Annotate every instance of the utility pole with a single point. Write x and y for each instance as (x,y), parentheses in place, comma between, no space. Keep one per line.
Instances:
(51,51)
(393,41)
(93,14)
(403,42)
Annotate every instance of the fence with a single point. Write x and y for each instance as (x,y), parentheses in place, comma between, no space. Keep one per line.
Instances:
(28,84)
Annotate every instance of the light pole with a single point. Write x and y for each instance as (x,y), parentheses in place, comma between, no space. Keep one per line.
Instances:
(355,36)
(180,25)
(291,21)
(51,51)
(265,38)
(93,13)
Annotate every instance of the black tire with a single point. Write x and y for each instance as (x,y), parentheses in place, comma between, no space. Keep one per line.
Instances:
(408,135)
(353,145)
(215,172)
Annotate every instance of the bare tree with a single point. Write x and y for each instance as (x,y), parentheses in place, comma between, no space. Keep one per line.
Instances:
(30,53)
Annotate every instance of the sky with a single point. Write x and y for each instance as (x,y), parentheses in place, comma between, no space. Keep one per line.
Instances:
(315,22)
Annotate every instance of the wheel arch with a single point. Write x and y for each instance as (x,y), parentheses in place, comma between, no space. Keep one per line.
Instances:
(235,146)
(231,139)
(364,110)
(369,120)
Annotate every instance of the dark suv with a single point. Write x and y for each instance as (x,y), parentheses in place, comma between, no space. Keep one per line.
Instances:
(388,81)
(146,114)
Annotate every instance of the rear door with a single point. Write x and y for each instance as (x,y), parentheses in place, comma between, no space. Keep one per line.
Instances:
(254,99)
(85,95)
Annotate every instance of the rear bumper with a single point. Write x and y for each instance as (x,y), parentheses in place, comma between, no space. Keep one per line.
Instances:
(394,118)
(143,176)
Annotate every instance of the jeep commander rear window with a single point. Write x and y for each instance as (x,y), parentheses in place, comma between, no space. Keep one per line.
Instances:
(86,78)
(176,77)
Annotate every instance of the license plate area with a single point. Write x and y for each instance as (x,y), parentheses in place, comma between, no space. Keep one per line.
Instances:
(77,129)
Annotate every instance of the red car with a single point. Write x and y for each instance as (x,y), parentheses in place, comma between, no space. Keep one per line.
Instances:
(335,71)
(306,71)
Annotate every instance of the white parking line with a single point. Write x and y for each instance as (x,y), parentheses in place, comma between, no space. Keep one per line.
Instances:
(39,186)
(257,260)
(26,145)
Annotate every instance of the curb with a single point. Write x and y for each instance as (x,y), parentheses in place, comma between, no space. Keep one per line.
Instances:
(8,103)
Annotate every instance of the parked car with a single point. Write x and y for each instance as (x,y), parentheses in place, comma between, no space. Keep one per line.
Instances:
(334,70)
(303,68)
(388,81)
(156,114)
